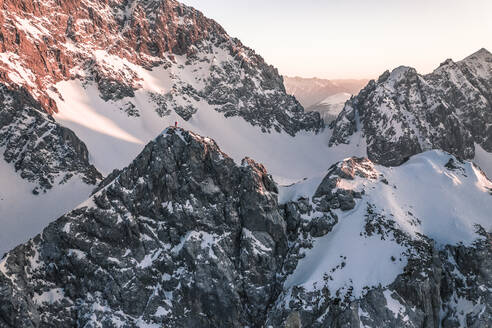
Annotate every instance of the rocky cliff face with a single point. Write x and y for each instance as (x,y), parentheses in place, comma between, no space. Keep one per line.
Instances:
(144,63)
(45,169)
(185,237)
(41,151)
(404,113)
(182,237)
(110,42)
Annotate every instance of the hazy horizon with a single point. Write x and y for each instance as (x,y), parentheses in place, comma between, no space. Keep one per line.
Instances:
(354,39)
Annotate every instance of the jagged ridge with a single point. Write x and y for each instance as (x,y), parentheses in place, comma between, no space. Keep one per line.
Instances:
(108,43)
(185,237)
(404,113)
(41,150)
(181,237)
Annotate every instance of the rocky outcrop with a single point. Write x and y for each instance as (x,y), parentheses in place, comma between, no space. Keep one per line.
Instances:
(404,113)
(36,53)
(438,287)
(42,151)
(182,237)
(185,237)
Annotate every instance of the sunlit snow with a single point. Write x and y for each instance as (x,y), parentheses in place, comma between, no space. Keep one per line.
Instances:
(114,138)
(448,204)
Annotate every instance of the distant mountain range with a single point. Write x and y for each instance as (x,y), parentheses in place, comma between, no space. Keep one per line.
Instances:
(330,107)
(321,95)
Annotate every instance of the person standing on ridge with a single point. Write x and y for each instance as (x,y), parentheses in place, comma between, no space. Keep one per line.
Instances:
(175,124)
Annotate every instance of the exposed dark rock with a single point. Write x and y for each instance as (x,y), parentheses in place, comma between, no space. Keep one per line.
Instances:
(404,113)
(185,237)
(320,226)
(41,150)
(181,237)
(346,199)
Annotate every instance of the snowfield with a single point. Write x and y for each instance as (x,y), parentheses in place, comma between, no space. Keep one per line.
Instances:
(183,237)
(421,197)
(114,138)
(23,215)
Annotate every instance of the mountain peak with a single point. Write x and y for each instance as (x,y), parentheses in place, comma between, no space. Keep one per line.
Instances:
(450,99)
(187,136)
(482,54)
(181,209)
(397,74)
(117,44)
(401,71)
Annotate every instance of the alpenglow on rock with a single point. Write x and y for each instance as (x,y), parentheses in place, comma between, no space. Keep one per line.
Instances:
(85,85)
(404,113)
(184,237)
(115,44)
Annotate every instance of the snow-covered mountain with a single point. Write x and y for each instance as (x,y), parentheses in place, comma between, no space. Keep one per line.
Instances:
(185,237)
(407,246)
(404,113)
(120,71)
(107,77)
(186,229)
(116,47)
(44,168)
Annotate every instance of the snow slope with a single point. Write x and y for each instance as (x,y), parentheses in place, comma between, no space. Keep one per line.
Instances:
(114,138)
(23,214)
(421,196)
(484,160)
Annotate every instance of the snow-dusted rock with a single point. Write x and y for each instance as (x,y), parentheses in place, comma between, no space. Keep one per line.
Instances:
(45,169)
(185,237)
(413,252)
(42,151)
(404,113)
(182,237)
(102,79)
(115,44)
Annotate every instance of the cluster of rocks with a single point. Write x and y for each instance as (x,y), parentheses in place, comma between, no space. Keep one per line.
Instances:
(404,113)
(328,195)
(41,151)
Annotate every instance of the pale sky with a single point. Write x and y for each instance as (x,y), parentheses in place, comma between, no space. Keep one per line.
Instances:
(354,38)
